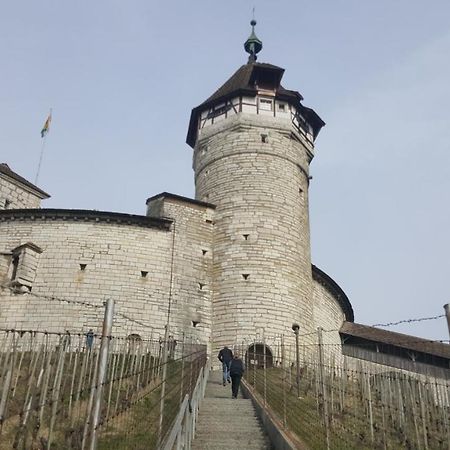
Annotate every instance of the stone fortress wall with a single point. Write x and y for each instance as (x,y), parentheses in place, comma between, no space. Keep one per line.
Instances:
(85,258)
(192,235)
(77,256)
(140,262)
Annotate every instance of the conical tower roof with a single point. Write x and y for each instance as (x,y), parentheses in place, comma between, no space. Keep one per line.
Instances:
(248,80)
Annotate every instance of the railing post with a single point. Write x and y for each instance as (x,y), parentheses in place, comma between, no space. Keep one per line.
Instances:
(101,371)
(324,392)
(4,396)
(296,329)
(64,339)
(163,386)
(265,374)
(447,314)
(254,363)
(182,371)
(283,378)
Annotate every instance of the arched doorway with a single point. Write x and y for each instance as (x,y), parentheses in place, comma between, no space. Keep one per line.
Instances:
(134,342)
(255,356)
(134,337)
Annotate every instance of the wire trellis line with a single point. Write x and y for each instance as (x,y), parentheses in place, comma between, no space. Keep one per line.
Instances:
(49,383)
(420,319)
(332,401)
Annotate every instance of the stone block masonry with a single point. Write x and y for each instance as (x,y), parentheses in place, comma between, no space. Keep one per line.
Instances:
(89,260)
(12,195)
(16,192)
(261,253)
(193,227)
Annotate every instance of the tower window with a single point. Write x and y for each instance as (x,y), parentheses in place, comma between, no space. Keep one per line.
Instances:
(144,273)
(264,139)
(195,323)
(265,104)
(15,266)
(245,276)
(245,236)
(83,267)
(281,107)
(7,203)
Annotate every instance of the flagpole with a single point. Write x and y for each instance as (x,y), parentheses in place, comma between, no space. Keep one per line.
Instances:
(42,149)
(40,158)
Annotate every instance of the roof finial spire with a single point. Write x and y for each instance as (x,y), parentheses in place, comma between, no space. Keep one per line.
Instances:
(253,45)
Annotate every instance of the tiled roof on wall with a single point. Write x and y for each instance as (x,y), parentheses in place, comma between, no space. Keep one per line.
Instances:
(6,170)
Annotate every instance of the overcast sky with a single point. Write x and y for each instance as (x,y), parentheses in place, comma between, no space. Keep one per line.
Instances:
(122,78)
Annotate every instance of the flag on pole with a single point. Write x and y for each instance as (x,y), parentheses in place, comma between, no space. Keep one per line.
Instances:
(46,127)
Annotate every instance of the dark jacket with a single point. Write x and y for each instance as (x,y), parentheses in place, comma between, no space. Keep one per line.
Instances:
(236,367)
(225,355)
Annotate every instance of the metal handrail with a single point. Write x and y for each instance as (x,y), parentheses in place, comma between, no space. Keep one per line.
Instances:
(183,430)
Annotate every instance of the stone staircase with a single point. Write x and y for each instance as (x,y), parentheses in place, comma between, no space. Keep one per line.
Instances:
(225,423)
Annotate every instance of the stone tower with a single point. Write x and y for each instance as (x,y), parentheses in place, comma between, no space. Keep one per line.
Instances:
(253,141)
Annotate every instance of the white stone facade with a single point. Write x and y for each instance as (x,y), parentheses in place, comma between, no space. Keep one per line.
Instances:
(84,260)
(14,195)
(261,263)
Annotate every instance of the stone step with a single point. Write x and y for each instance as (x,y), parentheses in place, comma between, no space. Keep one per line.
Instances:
(225,432)
(227,406)
(243,436)
(224,395)
(240,442)
(225,409)
(231,445)
(243,424)
(226,446)
(226,418)
(251,433)
(227,403)
(220,401)
(244,444)
(216,417)
(232,416)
